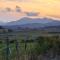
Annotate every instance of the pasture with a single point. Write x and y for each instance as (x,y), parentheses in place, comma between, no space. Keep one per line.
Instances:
(29,45)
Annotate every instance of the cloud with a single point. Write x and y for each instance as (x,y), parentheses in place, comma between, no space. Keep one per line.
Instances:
(18,0)
(32,13)
(8,9)
(55,16)
(18,9)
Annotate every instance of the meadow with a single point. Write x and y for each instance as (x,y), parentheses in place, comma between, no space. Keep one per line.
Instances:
(29,45)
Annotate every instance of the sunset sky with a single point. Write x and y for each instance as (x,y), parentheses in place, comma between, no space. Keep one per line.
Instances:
(43,7)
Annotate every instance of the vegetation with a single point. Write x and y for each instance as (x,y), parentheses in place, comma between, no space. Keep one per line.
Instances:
(35,47)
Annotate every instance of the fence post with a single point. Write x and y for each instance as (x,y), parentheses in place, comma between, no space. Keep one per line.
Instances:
(17,49)
(7,48)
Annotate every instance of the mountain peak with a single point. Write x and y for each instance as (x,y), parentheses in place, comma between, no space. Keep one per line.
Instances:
(27,20)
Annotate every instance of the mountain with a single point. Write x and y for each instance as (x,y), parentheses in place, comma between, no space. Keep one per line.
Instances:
(52,29)
(33,23)
(26,20)
(2,23)
(25,26)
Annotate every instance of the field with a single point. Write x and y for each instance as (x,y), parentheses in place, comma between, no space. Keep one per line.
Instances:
(29,45)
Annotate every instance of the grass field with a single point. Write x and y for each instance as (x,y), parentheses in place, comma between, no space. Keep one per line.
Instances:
(28,45)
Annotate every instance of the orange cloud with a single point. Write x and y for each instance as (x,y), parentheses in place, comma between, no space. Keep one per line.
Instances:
(55,16)
(44,7)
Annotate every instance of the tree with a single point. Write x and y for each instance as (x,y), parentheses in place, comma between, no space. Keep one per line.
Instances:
(1,27)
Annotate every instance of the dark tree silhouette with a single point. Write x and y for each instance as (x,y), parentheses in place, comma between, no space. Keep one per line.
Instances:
(1,27)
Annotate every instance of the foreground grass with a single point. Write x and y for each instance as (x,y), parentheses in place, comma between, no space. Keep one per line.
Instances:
(32,47)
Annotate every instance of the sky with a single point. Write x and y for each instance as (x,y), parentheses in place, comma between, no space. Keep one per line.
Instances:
(15,9)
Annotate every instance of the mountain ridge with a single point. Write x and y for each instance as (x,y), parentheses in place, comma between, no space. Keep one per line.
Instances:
(32,23)
(26,20)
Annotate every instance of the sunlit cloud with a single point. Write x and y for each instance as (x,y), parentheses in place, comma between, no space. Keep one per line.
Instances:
(18,0)
(55,16)
(32,13)
(25,7)
(8,9)
(18,9)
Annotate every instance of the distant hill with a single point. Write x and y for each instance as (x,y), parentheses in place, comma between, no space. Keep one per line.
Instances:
(26,20)
(52,29)
(34,23)
(1,27)
(35,26)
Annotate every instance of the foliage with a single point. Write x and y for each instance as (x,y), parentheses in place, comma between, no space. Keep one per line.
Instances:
(35,47)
